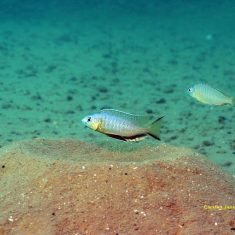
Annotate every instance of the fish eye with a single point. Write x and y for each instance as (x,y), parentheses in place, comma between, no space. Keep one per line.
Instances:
(89,119)
(190,89)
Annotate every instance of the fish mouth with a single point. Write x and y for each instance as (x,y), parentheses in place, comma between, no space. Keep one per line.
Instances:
(83,121)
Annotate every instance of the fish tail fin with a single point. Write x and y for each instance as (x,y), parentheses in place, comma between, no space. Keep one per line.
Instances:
(154,128)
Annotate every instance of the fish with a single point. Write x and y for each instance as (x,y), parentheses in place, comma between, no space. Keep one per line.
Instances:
(123,126)
(209,95)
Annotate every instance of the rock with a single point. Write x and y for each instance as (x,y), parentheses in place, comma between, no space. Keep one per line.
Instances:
(70,187)
(207,143)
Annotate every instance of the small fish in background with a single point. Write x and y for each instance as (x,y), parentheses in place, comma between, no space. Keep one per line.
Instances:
(209,95)
(123,126)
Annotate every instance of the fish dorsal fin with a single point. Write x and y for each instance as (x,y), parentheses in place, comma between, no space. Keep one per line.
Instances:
(140,120)
(207,86)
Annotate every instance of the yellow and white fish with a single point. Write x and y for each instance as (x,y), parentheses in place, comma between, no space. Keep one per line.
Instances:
(123,126)
(209,95)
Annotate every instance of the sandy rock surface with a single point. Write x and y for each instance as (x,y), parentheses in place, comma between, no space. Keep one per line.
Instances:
(71,187)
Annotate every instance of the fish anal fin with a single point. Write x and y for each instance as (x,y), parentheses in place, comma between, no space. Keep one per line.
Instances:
(133,138)
(116,137)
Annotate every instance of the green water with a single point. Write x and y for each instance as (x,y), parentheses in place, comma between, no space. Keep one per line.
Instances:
(61,61)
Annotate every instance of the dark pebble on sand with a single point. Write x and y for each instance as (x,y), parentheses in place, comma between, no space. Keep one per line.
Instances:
(221,119)
(36,132)
(103,89)
(149,111)
(73,79)
(36,97)
(161,101)
(93,98)
(228,73)
(174,137)
(70,112)
(227,164)
(7,106)
(91,135)
(207,143)
(106,56)
(69,98)
(50,68)
(173,62)
(105,107)
(47,120)
(93,107)
(182,130)
(232,144)
(168,90)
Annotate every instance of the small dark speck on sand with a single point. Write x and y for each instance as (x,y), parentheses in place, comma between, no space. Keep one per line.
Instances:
(73,79)
(53,213)
(36,97)
(50,68)
(3,166)
(227,164)
(93,107)
(168,90)
(221,119)
(7,106)
(91,135)
(93,98)
(105,107)
(232,144)
(70,112)
(173,62)
(47,120)
(207,143)
(106,56)
(161,101)
(174,137)
(103,89)
(69,97)
(126,173)
(149,111)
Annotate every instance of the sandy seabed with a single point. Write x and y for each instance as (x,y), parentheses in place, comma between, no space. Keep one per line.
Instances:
(71,187)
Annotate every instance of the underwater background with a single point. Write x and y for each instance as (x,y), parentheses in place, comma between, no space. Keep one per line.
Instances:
(61,60)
